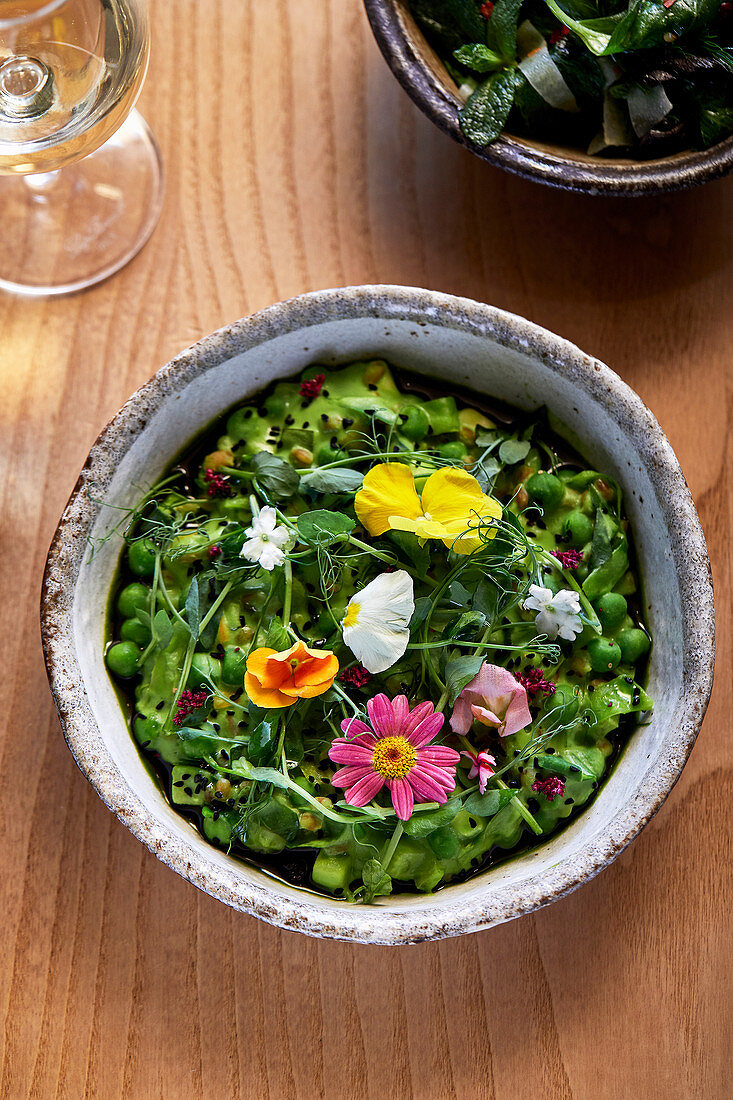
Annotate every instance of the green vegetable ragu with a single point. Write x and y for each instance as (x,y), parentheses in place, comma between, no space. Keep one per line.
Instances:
(640,76)
(191,608)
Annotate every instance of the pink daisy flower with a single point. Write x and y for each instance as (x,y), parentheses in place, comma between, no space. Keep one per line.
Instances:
(395,751)
(482,765)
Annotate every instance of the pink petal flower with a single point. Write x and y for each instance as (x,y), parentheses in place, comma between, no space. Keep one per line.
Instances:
(365,789)
(381,716)
(346,752)
(353,727)
(402,797)
(493,698)
(411,768)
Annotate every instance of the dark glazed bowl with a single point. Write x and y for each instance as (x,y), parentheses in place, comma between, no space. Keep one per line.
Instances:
(423,75)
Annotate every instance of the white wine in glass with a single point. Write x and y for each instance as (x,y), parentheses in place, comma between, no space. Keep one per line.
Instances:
(81,183)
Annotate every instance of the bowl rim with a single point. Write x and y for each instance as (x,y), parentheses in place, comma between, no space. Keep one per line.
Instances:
(521,156)
(375,924)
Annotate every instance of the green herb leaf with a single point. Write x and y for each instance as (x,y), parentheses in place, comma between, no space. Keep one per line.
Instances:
(376,880)
(162,629)
(277,636)
(484,114)
(647,22)
(514,450)
(193,608)
(320,528)
(421,612)
(275,475)
(423,824)
(263,740)
(486,805)
(459,671)
(478,57)
(501,32)
(339,480)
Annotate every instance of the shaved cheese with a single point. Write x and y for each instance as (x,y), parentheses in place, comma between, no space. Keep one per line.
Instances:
(647,107)
(541,71)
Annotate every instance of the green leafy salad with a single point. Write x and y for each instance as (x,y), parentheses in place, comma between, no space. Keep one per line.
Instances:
(372,637)
(642,78)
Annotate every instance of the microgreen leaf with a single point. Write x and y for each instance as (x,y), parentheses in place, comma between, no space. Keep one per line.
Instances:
(162,629)
(275,475)
(459,671)
(514,450)
(486,805)
(339,480)
(193,608)
(422,825)
(376,880)
(263,740)
(320,528)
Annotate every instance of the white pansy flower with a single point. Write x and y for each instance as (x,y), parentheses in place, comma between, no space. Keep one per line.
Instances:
(265,540)
(376,625)
(558,612)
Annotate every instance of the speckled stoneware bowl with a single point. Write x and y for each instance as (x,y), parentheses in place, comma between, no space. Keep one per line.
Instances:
(424,76)
(460,342)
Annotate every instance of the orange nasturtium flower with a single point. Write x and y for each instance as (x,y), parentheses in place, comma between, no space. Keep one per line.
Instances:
(451,507)
(277,679)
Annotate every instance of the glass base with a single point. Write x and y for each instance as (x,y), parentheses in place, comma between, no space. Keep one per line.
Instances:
(67,230)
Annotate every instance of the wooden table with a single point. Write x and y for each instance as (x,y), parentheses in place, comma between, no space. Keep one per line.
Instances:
(295,162)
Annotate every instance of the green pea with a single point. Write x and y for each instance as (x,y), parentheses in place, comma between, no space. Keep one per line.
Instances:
(122,659)
(232,669)
(141,557)
(633,644)
(455,450)
(133,598)
(132,630)
(413,422)
(545,490)
(611,610)
(604,655)
(579,528)
(203,669)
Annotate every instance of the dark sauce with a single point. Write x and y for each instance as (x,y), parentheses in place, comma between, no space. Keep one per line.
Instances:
(294,867)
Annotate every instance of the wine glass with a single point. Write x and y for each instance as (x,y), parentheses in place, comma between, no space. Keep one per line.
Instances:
(81,181)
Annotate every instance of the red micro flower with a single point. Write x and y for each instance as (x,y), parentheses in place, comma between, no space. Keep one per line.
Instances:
(569,559)
(486,9)
(215,552)
(561,33)
(218,486)
(534,681)
(356,676)
(187,704)
(312,387)
(549,787)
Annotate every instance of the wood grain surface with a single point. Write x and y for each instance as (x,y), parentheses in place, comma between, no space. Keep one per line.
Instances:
(294,162)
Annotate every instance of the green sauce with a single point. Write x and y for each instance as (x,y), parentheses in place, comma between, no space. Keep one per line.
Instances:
(189,611)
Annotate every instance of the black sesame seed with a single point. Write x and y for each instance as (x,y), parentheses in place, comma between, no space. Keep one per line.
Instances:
(347,422)
(160,705)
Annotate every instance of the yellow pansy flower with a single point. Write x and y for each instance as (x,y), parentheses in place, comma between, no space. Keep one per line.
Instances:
(451,507)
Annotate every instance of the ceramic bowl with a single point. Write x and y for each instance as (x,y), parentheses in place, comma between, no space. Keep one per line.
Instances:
(461,343)
(423,75)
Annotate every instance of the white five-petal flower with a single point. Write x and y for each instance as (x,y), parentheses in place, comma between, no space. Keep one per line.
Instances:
(558,612)
(376,625)
(265,540)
